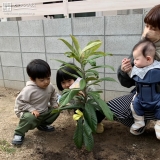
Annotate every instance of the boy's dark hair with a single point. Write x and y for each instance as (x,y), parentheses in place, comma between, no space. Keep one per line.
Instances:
(148,47)
(38,68)
(61,76)
(153,17)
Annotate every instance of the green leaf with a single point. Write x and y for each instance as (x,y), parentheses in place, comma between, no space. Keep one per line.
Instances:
(99,54)
(88,74)
(106,110)
(73,75)
(95,105)
(69,65)
(92,46)
(93,71)
(96,85)
(68,45)
(67,97)
(87,128)
(92,62)
(108,79)
(72,55)
(76,44)
(74,106)
(92,42)
(55,115)
(88,141)
(55,111)
(102,79)
(69,54)
(96,93)
(102,66)
(73,66)
(77,69)
(63,62)
(65,91)
(109,54)
(78,134)
(82,84)
(90,79)
(80,98)
(91,53)
(90,116)
(96,56)
(64,96)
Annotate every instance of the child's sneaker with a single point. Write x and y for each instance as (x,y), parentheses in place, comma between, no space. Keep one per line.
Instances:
(46,128)
(17,139)
(100,128)
(136,133)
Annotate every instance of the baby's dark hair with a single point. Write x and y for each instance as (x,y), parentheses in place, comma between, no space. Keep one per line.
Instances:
(149,47)
(38,68)
(61,76)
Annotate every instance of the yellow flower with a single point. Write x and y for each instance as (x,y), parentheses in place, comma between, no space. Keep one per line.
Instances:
(78,115)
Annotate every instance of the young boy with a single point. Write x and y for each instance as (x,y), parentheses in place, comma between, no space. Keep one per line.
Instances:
(31,105)
(146,73)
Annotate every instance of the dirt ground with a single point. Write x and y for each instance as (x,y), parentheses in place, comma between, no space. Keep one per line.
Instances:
(116,143)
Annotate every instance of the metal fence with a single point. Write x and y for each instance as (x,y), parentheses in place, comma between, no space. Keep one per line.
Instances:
(22,8)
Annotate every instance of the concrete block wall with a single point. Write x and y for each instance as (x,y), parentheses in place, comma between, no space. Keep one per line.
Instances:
(22,41)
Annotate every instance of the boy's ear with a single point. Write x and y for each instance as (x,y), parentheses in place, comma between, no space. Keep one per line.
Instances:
(148,58)
(31,79)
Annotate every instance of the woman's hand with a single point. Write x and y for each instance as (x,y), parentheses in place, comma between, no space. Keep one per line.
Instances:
(152,35)
(126,65)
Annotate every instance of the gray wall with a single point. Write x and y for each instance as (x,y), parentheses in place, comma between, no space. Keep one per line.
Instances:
(22,41)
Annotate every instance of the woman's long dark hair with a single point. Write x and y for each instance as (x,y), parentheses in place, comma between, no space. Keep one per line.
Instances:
(153,17)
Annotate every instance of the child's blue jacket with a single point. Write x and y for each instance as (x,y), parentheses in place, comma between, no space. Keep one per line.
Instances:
(148,93)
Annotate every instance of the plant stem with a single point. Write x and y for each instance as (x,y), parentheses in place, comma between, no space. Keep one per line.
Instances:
(84,77)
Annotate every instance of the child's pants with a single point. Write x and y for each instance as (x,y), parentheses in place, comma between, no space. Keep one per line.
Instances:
(28,121)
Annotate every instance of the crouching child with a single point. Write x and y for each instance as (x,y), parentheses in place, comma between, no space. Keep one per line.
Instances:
(35,102)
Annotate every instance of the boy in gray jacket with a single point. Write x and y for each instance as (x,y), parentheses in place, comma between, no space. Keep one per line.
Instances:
(32,104)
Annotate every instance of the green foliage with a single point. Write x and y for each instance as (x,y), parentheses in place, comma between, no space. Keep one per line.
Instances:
(78,134)
(6,147)
(85,99)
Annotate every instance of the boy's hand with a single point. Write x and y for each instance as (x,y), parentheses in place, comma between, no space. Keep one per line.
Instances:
(35,113)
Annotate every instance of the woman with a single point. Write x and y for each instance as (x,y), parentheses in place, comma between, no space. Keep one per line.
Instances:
(121,106)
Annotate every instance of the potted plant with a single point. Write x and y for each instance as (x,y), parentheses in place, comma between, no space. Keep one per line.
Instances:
(87,102)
